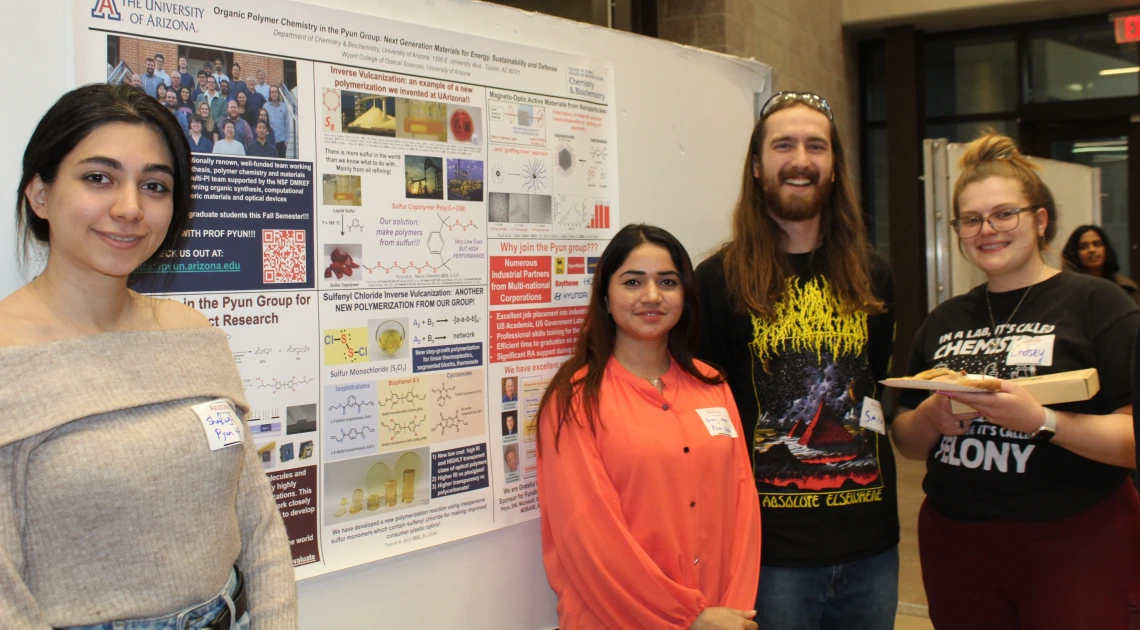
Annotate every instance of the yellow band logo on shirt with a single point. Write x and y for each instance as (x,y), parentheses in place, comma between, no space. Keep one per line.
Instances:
(809,317)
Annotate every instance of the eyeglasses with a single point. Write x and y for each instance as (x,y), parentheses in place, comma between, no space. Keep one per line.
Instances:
(1001,221)
(814,101)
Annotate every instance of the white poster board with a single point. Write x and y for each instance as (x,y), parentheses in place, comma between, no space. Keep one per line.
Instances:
(400,269)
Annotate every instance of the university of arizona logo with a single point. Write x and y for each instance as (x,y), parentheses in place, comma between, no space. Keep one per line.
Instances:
(106,9)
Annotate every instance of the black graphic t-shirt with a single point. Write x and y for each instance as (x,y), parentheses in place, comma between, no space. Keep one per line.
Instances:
(1068,322)
(801,381)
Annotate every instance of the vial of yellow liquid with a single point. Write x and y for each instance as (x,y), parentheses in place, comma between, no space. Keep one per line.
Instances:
(409,485)
(390,336)
(390,493)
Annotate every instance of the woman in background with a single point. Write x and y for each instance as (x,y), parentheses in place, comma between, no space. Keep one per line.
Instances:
(185,105)
(209,126)
(649,511)
(131,492)
(1089,251)
(242,100)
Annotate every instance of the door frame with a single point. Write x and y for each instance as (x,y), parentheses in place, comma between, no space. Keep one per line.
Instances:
(1037,136)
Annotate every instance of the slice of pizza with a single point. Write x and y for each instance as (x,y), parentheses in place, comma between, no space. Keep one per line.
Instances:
(946,375)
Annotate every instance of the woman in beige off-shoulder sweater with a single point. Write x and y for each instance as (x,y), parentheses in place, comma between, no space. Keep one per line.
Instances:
(122,497)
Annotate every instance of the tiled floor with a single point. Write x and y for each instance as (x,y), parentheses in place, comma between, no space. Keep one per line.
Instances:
(911,593)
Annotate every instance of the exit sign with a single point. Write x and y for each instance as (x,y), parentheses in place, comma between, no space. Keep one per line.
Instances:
(1127,28)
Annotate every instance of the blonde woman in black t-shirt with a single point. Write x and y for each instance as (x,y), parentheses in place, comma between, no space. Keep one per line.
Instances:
(1030,514)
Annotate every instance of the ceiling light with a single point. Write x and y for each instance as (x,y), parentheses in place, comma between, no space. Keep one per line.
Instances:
(1101,143)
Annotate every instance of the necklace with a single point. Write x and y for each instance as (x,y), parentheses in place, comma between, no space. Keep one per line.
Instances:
(50,308)
(993,324)
(990,308)
(656,382)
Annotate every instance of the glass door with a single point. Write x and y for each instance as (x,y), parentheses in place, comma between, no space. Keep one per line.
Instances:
(1106,147)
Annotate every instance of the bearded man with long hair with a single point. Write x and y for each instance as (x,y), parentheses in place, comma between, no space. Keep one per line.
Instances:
(799,319)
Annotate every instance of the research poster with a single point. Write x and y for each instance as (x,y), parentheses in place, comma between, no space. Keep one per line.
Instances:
(396,227)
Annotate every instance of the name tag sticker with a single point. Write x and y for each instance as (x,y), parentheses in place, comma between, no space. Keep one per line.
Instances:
(717,421)
(221,423)
(1031,351)
(872,416)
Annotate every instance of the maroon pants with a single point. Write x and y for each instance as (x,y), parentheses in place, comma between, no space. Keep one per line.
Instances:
(1067,574)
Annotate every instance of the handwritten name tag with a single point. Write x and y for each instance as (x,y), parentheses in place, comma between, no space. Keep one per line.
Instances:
(1031,351)
(872,416)
(717,421)
(221,423)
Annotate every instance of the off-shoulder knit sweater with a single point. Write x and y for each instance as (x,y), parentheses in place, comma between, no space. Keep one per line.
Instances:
(112,505)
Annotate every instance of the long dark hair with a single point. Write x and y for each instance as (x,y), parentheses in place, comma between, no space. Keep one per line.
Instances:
(74,117)
(595,342)
(1072,252)
(756,270)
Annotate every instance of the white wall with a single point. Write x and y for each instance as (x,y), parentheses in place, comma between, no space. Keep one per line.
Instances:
(685,117)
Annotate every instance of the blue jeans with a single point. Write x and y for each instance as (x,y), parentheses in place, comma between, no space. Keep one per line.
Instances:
(193,618)
(860,595)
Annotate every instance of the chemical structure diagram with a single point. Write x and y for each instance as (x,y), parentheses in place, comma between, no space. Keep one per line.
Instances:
(352,402)
(597,173)
(533,175)
(275,385)
(498,174)
(456,224)
(355,225)
(435,245)
(599,154)
(353,433)
(396,427)
(565,159)
(443,394)
(331,100)
(259,351)
(450,422)
(410,397)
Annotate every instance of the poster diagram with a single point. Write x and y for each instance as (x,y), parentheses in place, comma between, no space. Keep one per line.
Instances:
(400,262)
(520,124)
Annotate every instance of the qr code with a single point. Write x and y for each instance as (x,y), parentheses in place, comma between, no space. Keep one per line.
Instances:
(283,257)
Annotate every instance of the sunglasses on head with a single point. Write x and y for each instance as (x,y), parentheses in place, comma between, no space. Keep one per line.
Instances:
(814,101)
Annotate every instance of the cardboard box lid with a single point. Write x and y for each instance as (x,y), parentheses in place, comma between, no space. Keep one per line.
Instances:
(1052,389)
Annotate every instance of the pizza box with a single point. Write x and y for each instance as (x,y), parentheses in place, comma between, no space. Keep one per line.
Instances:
(1049,389)
(1052,389)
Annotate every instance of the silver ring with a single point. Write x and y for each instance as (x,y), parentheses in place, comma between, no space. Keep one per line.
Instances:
(961,424)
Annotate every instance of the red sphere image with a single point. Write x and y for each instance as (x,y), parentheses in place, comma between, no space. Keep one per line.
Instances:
(461,125)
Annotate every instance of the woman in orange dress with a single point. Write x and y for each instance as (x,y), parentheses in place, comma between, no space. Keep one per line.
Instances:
(649,511)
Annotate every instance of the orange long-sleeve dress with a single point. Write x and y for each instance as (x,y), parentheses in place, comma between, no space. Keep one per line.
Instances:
(654,518)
